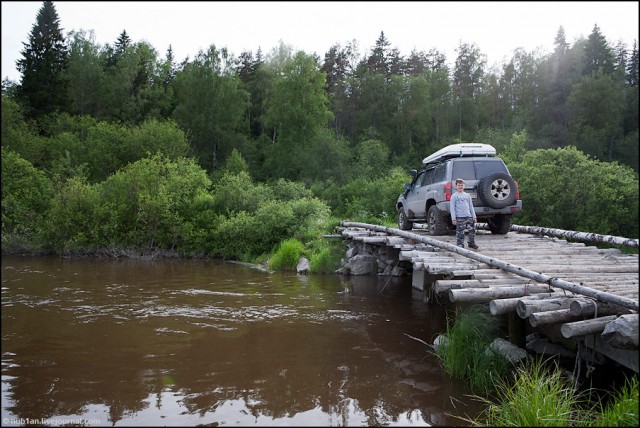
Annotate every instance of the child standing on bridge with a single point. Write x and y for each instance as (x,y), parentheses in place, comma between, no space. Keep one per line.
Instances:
(463,216)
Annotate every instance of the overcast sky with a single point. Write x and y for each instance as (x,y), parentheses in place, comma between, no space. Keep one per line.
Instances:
(497,28)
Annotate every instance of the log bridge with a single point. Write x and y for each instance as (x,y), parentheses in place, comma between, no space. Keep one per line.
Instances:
(579,300)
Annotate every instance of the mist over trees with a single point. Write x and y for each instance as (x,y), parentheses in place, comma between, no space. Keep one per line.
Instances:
(83,112)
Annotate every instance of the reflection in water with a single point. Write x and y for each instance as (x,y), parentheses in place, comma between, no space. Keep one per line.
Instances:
(126,342)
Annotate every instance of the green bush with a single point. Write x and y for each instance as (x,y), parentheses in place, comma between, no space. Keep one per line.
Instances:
(234,237)
(74,220)
(287,255)
(311,215)
(26,196)
(566,189)
(286,190)
(237,192)
(373,199)
(150,203)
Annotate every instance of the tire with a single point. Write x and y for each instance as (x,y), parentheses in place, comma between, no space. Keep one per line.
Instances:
(403,222)
(499,224)
(436,222)
(497,190)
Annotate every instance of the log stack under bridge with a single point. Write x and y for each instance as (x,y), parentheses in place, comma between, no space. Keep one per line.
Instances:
(559,297)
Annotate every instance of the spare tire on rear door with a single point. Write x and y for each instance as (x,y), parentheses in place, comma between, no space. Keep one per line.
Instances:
(497,190)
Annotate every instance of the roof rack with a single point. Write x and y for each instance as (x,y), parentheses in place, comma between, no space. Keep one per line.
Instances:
(460,150)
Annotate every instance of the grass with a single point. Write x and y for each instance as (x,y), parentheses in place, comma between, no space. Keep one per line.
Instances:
(326,258)
(623,409)
(466,354)
(287,255)
(536,393)
(540,395)
(536,396)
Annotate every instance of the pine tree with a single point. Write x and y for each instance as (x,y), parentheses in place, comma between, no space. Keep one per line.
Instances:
(43,87)
(598,53)
(632,66)
(379,60)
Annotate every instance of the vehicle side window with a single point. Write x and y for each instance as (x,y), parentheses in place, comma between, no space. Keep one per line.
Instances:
(428,177)
(440,173)
(418,183)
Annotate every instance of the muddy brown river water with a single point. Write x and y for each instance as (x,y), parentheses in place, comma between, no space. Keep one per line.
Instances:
(90,342)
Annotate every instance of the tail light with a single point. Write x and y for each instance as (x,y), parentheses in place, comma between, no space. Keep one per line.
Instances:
(517,191)
(447,191)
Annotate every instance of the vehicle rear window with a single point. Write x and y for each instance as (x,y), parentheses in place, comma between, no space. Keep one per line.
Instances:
(470,169)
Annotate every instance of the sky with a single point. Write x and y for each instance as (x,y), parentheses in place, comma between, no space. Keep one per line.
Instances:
(496,28)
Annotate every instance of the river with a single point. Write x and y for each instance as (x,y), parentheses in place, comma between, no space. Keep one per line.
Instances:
(123,342)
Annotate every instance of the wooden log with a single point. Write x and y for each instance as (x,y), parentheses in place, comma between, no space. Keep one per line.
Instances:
(591,269)
(540,259)
(504,276)
(505,306)
(395,240)
(372,239)
(487,294)
(582,328)
(426,255)
(437,269)
(524,308)
(551,317)
(576,236)
(444,285)
(527,273)
(588,307)
(622,332)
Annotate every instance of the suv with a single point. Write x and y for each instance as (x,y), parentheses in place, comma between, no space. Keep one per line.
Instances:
(487,179)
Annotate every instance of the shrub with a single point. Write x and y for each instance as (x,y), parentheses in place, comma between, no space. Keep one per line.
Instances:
(287,255)
(608,204)
(26,195)
(237,192)
(146,204)
(286,190)
(73,222)
(234,237)
(373,199)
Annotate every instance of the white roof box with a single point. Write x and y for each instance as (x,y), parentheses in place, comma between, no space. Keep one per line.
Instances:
(458,150)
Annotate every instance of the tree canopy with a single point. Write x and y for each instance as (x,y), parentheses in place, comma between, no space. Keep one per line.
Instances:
(341,126)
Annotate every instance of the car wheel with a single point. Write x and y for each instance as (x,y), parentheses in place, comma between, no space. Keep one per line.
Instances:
(403,222)
(437,223)
(499,224)
(497,190)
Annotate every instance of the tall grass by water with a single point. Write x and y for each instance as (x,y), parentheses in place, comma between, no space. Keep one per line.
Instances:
(540,394)
(533,393)
(466,353)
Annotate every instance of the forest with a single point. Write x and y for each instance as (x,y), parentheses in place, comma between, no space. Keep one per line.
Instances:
(114,149)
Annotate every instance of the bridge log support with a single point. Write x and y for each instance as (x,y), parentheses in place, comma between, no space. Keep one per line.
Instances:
(417,280)
(586,293)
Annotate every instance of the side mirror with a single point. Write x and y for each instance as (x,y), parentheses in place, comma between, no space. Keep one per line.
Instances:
(407,186)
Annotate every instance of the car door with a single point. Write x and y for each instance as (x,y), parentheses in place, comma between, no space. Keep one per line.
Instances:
(415,198)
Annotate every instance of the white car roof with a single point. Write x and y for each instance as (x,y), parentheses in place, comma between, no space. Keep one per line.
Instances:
(459,150)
